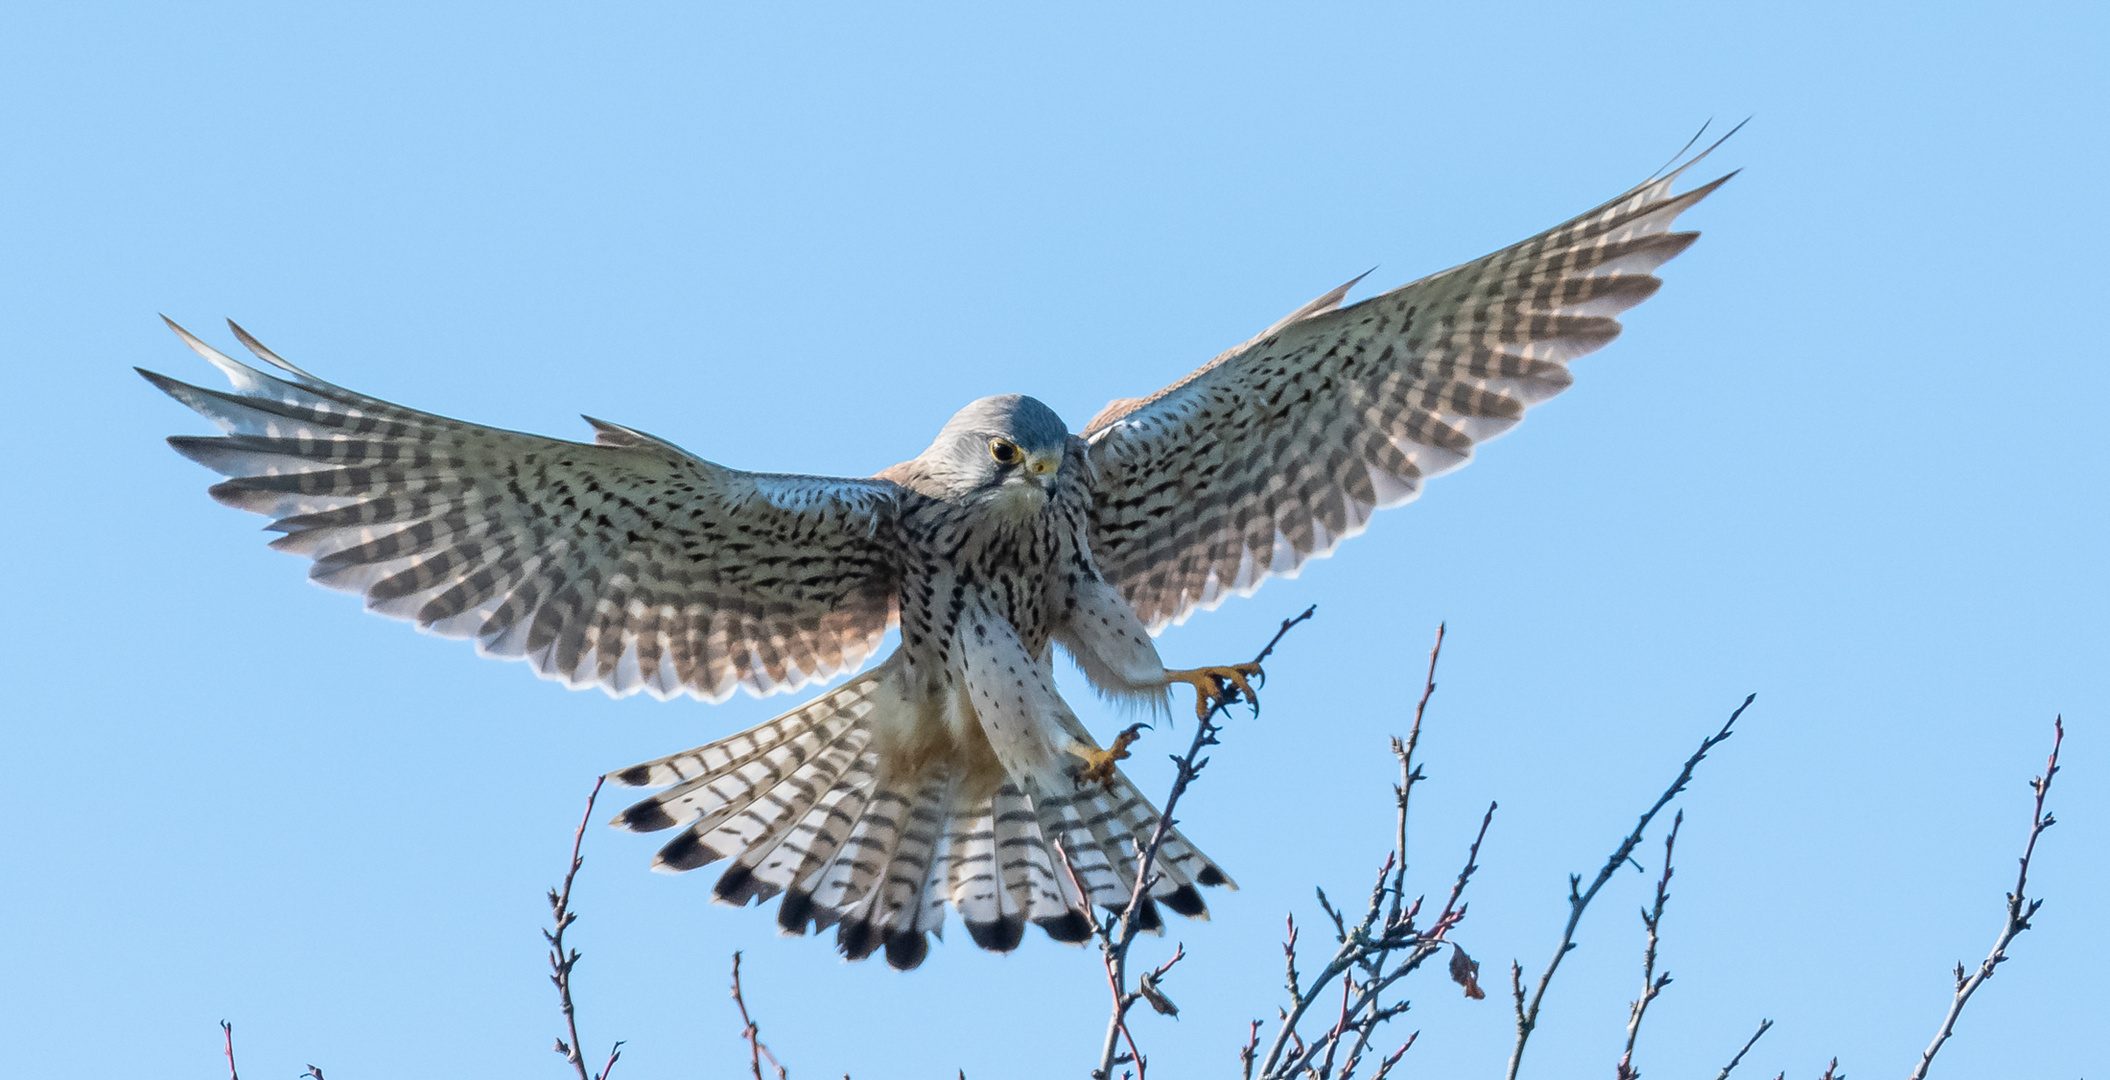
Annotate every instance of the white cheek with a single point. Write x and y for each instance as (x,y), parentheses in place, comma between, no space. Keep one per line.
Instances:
(1019,500)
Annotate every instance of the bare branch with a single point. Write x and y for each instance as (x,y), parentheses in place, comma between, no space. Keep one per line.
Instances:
(1404,751)
(1340,1026)
(1651,984)
(751,1031)
(1372,948)
(1452,912)
(227,1031)
(1516,988)
(1393,1059)
(1375,949)
(1578,901)
(1114,943)
(1289,954)
(560,961)
(1763,1027)
(2020,909)
(1245,1055)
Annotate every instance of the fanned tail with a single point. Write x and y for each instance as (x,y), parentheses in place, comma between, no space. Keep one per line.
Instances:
(807,806)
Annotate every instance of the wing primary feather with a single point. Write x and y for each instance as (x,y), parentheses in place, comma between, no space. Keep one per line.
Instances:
(576,552)
(1271,454)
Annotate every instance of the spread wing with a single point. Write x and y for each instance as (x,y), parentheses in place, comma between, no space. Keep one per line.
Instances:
(627,563)
(1273,452)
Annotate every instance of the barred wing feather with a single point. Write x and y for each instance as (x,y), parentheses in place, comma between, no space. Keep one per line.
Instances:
(1272,453)
(627,563)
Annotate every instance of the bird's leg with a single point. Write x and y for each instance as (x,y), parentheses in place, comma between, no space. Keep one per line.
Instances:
(1220,685)
(1098,765)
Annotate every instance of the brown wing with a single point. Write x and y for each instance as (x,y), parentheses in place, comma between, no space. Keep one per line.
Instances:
(1272,453)
(627,563)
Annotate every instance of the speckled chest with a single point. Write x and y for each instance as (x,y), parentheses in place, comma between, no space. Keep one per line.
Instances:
(968,556)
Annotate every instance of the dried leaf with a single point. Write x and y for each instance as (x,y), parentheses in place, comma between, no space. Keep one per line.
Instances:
(1465,971)
(1148,987)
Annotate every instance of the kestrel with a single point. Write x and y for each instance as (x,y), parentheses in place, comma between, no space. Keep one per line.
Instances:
(948,773)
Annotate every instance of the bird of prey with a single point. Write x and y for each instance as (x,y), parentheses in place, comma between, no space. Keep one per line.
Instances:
(950,773)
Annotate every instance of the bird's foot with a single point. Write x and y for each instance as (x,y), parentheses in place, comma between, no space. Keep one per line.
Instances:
(1098,767)
(1222,685)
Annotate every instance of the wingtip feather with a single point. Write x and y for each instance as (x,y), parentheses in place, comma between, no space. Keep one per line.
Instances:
(163,383)
(250,342)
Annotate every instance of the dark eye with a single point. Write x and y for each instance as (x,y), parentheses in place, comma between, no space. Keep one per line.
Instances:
(1004,452)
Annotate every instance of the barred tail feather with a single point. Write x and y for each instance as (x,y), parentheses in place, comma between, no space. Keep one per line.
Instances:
(805,806)
(739,790)
(907,901)
(1118,808)
(992,917)
(1025,862)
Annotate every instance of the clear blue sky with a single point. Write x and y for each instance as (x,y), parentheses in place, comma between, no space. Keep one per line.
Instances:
(1851,458)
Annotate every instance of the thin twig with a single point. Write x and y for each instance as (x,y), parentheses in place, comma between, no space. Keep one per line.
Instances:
(1651,984)
(1289,953)
(1245,1054)
(560,961)
(2020,909)
(1383,945)
(1763,1027)
(1516,988)
(1340,1026)
(752,1032)
(1289,1055)
(1452,912)
(1392,1059)
(1115,973)
(1578,901)
(1408,775)
(227,1030)
(1114,944)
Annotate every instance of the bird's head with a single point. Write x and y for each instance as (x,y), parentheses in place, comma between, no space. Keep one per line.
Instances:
(1007,448)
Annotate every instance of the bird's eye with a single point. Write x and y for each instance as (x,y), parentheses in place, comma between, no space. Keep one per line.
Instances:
(1004,452)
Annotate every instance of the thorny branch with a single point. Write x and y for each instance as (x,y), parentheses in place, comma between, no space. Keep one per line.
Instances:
(1578,901)
(2020,909)
(752,1032)
(1115,937)
(1374,952)
(561,962)
(1651,983)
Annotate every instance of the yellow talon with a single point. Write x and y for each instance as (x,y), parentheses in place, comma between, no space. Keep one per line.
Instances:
(1099,764)
(1215,686)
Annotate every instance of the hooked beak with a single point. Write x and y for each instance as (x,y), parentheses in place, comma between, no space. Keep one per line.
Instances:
(1041,468)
